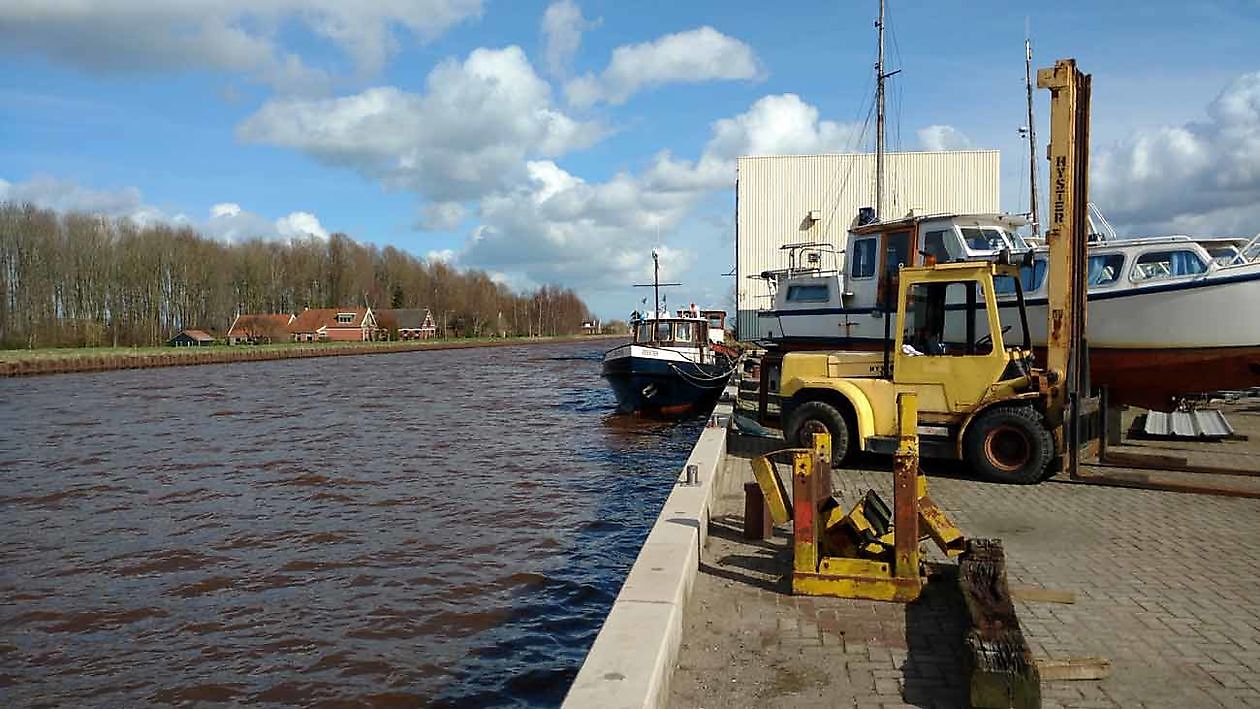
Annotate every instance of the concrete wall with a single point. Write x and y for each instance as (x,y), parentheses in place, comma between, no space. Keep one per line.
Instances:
(775,194)
(633,656)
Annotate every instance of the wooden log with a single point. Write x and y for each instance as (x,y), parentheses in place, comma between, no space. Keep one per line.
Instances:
(1000,670)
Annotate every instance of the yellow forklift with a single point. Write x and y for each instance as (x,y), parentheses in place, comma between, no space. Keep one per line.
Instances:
(981,397)
(954,386)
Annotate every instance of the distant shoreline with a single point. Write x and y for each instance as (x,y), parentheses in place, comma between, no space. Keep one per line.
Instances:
(22,363)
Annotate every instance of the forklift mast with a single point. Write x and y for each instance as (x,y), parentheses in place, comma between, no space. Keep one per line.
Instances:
(1067,358)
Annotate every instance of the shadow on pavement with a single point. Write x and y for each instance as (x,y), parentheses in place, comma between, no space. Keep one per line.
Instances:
(766,568)
(933,674)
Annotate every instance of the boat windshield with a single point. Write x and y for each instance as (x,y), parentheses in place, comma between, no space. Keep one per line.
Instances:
(666,332)
(991,239)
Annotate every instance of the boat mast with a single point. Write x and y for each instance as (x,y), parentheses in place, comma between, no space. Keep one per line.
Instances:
(656,282)
(656,288)
(1032,142)
(879,118)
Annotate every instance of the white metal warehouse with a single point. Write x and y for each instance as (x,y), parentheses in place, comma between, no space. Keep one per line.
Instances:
(785,199)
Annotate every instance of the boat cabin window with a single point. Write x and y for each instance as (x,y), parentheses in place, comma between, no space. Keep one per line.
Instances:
(666,332)
(863,256)
(940,245)
(1104,269)
(715,321)
(978,239)
(684,332)
(942,318)
(644,332)
(896,254)
(1223,255)
(1156,265)
(808,293)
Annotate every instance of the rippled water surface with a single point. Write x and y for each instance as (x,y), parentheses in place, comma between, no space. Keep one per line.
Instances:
(428,527)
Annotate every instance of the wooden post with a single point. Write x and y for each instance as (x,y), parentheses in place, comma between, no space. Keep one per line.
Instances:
(757,523)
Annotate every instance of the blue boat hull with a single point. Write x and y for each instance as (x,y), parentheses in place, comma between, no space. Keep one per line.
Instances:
(652,387)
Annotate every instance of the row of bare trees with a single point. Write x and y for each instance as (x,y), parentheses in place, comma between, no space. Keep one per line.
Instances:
(81,279)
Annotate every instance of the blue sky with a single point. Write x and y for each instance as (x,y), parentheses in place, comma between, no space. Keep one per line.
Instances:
(552,142)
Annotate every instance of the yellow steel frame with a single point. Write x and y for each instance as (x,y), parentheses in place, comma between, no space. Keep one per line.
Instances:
(816,570)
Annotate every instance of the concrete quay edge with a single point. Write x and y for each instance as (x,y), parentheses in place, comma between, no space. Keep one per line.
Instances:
(632,659)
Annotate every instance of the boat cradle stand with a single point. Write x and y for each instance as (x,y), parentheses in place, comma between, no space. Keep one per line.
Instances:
(869,552)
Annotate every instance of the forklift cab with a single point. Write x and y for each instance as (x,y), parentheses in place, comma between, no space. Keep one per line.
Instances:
(950,346)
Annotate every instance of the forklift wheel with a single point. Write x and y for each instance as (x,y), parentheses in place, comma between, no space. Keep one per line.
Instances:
(1010,444)
(819,417)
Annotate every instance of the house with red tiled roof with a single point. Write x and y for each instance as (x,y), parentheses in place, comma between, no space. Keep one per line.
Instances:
(259,328)
(334,324)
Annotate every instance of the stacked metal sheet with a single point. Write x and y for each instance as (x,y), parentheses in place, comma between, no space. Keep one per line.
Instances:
(1205,423)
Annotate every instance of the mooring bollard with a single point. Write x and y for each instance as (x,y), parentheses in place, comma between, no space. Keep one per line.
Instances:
(691,474)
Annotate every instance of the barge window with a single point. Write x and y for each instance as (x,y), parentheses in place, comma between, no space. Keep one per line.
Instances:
(1156,265)
(662,332)
(645,332)
(808,294)
(864,252)
(1105,269)
(684,332)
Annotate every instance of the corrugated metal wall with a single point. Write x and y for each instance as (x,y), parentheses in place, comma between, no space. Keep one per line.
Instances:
(775,194)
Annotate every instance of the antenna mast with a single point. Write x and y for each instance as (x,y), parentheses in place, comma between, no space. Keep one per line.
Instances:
(1032,142)
(656,281)
(879,119)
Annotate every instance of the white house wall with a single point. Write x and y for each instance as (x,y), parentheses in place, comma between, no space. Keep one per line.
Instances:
(775,194)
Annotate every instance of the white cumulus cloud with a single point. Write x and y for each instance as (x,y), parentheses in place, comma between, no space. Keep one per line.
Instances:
(226,221)
(943,137)
(300,224)
(562,28)
(1198,177)
(469,134)
(447,256)
(225,209)
(702,54)
(239,36)
(557,227)
(67,196)
(780,124)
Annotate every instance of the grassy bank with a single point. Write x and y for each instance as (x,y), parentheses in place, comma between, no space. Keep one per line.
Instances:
(92,359)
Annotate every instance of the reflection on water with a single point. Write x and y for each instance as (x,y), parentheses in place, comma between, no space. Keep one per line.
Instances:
(447,527)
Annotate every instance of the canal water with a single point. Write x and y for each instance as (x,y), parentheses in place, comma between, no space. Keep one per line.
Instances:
(443,528)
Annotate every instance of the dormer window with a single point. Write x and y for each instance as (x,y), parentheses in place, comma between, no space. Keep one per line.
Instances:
(345,318)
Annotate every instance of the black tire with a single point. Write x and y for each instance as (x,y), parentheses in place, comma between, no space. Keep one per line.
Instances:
(1010,444)
(808,418)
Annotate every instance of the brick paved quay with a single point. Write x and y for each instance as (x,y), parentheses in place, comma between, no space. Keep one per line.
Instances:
(1167,588)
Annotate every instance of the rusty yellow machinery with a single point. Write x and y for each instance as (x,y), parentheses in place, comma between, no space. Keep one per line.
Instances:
(869,551)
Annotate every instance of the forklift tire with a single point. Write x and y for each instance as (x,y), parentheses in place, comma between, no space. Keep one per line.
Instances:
(1010,444)
(812,417)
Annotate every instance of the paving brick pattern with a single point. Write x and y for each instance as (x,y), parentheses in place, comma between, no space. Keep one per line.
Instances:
(1167,588)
